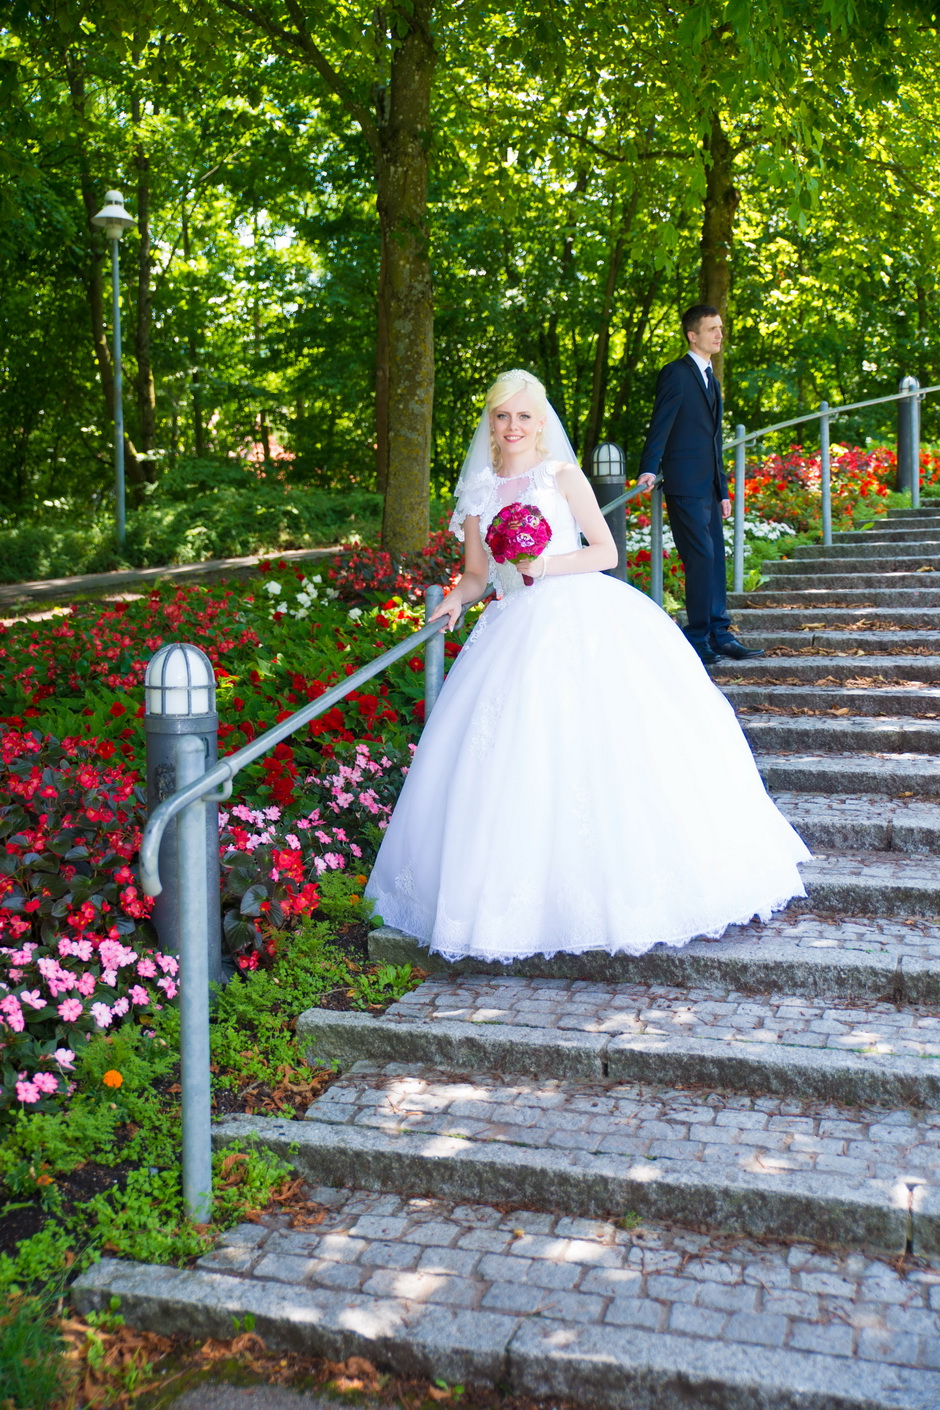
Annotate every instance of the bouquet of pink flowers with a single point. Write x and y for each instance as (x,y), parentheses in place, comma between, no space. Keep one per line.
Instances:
(518,531)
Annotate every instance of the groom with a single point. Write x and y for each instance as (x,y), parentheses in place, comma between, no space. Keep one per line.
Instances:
(684,441)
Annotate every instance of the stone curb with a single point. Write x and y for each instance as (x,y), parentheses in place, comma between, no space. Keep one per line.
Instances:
(771,669)
(758,1068)
(524,1355)
(752,619)
(868,643)
(861,548)
(860,1214)
(863,824)
(826,561)
(782,576)
(851,599)
(11,593)
(748,968)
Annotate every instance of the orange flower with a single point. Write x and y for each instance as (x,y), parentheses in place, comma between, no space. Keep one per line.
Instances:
(354,900)
(362,880)
(113,1078)
(44,1180)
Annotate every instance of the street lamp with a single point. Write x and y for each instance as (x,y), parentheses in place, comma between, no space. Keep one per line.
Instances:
(609,479)
(113,219)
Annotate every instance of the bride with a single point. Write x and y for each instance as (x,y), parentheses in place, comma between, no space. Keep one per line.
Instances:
(581,784)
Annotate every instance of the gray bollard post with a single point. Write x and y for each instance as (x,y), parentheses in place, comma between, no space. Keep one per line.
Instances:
(908,437)
(196,891)
(739,479)
(825,473)
(179,687)
(433,651)
(915,445)
(609,481)
(656,545)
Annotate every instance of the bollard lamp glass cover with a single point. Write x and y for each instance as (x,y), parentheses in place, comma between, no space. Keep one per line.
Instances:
(113,219)
(608,459)
(180,681)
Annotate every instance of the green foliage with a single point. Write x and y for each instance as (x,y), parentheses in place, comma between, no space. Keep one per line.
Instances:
(385,986)
(30,1355)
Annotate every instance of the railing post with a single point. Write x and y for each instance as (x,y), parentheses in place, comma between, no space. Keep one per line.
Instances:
(915,443)
(194,987)
(825,474)
(739,509)
(433,651)
(656,545)
(908,439)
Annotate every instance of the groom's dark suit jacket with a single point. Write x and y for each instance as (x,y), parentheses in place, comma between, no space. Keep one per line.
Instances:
(684,436)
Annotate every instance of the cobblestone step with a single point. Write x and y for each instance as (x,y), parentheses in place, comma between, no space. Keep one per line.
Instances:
(822,670)
(751,619)
(887,531)
(857,1177)
(894,775)
(780,1045)
(811,600)
(648,1318)
(929,509)
(870,959)
(781,576)
(827,822)
(889,734)
(872,883)
(910,701)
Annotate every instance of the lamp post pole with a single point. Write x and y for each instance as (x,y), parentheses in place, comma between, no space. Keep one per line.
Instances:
(608,479)
(113,219)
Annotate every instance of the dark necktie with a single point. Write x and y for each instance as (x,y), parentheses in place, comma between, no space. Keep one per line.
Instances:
(710,388)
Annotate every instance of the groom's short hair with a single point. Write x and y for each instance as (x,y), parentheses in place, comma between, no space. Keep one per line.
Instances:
(692,318)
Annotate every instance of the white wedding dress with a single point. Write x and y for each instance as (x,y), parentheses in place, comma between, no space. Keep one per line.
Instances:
(580,784)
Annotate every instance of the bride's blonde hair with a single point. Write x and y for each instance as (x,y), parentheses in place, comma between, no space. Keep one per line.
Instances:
(507,385)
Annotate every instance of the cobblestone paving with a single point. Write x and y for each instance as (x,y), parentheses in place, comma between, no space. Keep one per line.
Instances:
(647,1010)
(723,1130)
(758,1294)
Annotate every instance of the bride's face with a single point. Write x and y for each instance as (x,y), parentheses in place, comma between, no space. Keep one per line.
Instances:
(516,424)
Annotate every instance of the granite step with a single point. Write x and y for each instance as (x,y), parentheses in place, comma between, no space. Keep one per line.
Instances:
(861,548)
(856,640)
(824,670)
(929,509)
(921,701)
(872,883)
(856,1176)
(782,575)
(780,1045)
(829,823)
(890,774)
(826,561)
(864,958)
(885,531)
(769,618)
(891,734)
(545,1305)
(811,600)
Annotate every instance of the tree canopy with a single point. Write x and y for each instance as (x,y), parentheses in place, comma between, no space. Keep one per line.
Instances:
(351,218)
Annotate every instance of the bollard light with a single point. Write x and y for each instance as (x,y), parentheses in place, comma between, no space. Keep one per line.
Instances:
(609,482)
(113,219)
(179,688)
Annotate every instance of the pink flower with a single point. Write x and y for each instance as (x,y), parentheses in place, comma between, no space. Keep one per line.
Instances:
(138,994)
(14,1014)
(86,984)
(65,1058)
(120,1006)
(146,968)
(33,998)
(101,1014)
(169,988)
(69,1010)
(168,964)
(28,1092)
(46,1082)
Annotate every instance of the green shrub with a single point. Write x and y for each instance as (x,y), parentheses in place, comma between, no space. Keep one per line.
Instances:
(30,1355)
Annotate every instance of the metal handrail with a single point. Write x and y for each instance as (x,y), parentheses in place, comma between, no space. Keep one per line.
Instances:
(831,412)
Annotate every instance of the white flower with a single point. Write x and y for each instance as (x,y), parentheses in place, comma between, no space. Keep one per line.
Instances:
(300,613)
(272,587)
(303,600)
(317,579)
(355,613)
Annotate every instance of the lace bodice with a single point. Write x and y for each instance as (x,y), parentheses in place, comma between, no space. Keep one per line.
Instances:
(489,493)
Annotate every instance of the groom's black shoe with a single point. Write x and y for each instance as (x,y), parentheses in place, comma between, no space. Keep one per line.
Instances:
(705,653)
(730,646)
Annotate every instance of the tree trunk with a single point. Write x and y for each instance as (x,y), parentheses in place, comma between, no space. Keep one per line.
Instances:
(406,295)
(192,352)
(721,202)
(592,433)
(146,396)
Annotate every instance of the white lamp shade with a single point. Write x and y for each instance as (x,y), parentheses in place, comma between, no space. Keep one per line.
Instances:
(113,219)
(608,459)
(180,681)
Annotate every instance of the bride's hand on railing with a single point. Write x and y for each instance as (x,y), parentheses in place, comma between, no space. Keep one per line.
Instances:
(450,608)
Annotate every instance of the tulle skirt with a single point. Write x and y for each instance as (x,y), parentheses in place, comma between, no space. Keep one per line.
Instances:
(580,785)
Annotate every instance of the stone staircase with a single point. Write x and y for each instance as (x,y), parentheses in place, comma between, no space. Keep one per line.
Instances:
(704,1177)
